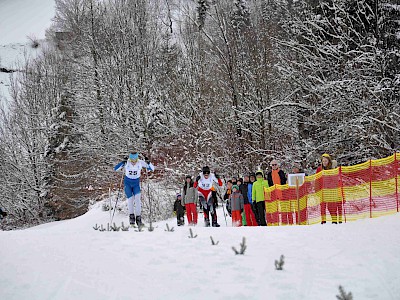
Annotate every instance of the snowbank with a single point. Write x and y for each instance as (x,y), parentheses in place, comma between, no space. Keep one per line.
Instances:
(70,260)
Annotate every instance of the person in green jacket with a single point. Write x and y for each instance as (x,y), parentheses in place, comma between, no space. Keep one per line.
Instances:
(258,196)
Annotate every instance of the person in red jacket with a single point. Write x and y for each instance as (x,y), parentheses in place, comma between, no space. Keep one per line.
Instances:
(204,183)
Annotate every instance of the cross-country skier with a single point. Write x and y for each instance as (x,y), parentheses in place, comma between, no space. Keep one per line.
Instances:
(204,183)
(133,167)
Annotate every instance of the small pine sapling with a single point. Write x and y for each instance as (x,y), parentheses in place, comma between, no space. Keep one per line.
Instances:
(115,227)
(343,295)
(123,227)
(191,236)
(242,247)
(96,227)
(212,241)
(102,228)
(169,229)
(151,228)
(279,264)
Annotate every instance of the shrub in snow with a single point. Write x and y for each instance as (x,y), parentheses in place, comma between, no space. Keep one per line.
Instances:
(191,236)
(243,247)
(279,264)
(343,295)
(212,241)
(123,227)
(169,229)
(115,227)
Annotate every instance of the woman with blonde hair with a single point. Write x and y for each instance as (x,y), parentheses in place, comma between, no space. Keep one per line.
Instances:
(335,208)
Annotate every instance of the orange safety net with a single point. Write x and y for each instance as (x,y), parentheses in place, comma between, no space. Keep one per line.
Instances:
(366,190)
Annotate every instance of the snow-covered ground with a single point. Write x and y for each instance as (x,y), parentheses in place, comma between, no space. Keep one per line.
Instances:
(70,260)
(20,19)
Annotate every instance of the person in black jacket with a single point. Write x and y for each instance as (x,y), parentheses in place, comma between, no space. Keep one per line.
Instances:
(179,210)
(276,175)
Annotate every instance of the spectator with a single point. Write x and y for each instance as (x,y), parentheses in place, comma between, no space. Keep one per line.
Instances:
(179,210)
(276,175)
(190,198)
(258,195)
(227,194)
(236,206)
(335,208)
(249,217)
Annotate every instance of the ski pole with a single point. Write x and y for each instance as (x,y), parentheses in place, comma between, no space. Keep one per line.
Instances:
(149,198)
(148,195)
(109,199)
(223,204)
(116,201)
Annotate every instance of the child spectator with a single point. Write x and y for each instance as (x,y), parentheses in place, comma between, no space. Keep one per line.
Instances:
(259,197)
(236,204)
(190,198)
(227,194)
(179,210)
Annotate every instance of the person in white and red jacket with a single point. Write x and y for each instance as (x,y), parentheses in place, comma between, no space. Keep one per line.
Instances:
(204,184)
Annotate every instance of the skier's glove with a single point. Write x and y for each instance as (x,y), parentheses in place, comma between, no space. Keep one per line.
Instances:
(217,175)
(147,160)
(198,178)
(241,210)
(125,159)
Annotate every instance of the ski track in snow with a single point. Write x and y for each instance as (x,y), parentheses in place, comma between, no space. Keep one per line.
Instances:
(70,260)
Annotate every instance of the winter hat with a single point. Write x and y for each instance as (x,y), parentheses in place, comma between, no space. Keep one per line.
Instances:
(206,170)
(178,195)
(259,172)
(133,156)
(326,155)
(188,176)
(252,174)
(235,187)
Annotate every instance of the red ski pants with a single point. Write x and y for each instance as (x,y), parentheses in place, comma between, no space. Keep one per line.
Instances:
(236,218)
(191,213)
(250,217)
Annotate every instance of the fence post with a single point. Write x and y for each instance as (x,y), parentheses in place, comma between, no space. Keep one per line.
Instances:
(396,168)
(342,191)
(370,188)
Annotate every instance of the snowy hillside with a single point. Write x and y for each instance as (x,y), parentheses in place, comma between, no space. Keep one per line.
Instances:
(20,19)
(70,260)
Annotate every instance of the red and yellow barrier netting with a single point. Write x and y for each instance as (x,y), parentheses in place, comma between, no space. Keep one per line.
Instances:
(367,190)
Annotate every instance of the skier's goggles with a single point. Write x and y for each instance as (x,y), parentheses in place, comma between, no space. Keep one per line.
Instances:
(206,173)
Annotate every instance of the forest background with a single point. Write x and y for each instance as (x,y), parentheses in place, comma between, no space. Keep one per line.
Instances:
(229,84)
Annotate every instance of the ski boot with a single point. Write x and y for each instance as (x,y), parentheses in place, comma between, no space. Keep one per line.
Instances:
(132,219)
(139,222)
(207,222)
(215,224)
